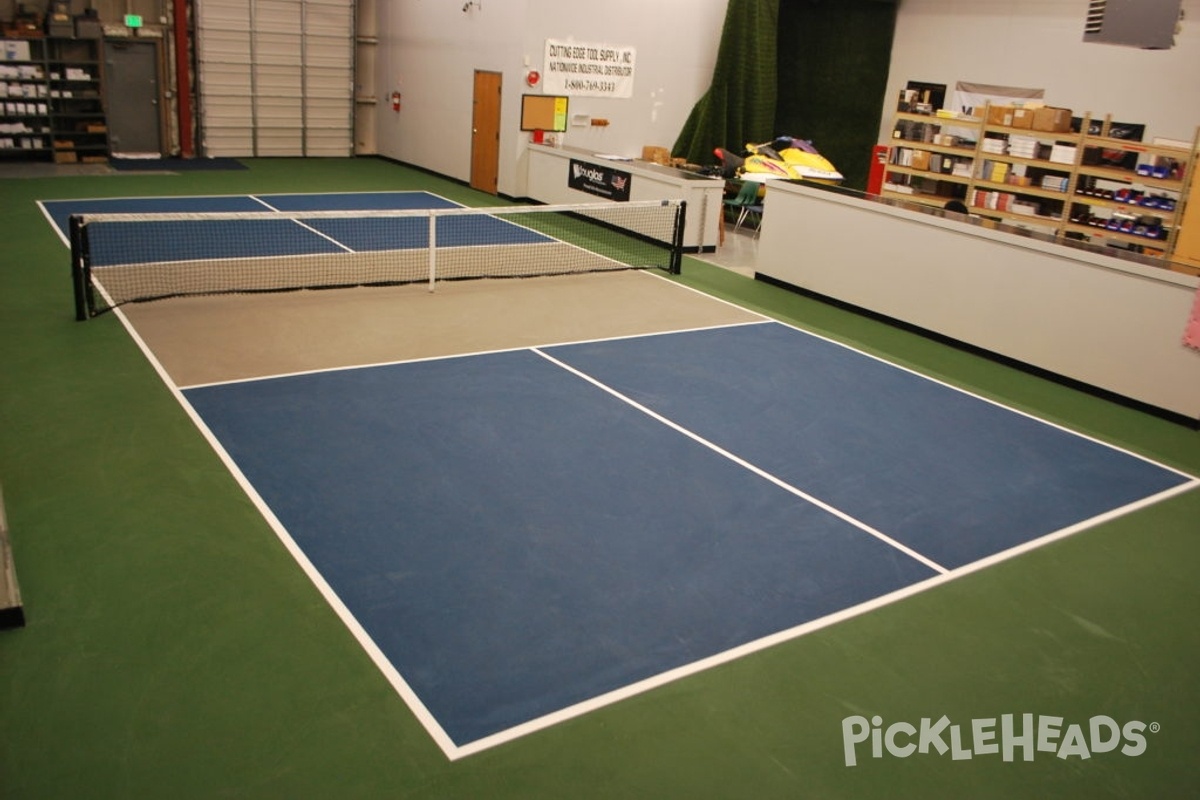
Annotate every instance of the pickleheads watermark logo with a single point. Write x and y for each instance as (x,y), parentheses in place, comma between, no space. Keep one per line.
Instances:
(1007,736)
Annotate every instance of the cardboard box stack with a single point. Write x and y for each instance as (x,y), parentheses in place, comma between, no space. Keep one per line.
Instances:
(1031,116)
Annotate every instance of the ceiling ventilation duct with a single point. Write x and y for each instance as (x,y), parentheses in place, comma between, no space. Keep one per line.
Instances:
(1149,24)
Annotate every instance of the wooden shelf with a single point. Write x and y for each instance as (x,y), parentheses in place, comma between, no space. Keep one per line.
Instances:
(1057,208)
(937,176)
(1031,191)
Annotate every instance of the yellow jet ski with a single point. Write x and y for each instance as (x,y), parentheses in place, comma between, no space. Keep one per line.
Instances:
(786,157)
(789,157)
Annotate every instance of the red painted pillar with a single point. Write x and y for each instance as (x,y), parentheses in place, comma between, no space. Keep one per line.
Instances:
(183,78)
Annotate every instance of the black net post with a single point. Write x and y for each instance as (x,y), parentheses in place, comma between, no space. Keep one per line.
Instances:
(79,269)
(677,245)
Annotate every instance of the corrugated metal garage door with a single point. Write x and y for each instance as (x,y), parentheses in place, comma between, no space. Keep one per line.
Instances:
(275,77)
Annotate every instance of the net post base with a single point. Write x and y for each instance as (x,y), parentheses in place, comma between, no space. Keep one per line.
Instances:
(12,613)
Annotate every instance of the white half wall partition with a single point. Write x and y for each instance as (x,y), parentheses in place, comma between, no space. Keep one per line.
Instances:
(553,179)
(1111,324)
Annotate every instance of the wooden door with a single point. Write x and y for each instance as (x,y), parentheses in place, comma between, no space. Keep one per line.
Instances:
(1187,242)
(485,132)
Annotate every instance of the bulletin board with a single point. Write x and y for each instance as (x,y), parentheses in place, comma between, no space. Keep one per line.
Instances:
(543,112)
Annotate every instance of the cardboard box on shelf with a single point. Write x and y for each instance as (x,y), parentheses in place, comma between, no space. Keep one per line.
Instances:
(1000,115)
(1051,119)
(65,157)
(657,155)
(1022,118)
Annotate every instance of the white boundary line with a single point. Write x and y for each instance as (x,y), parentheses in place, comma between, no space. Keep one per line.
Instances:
(741,462)
(796,632)
(64,236)
(941,382)
(453,751)
(390,673)
(308,228)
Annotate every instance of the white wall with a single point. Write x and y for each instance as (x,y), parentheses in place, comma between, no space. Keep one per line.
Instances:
(429,49)
(1039,44)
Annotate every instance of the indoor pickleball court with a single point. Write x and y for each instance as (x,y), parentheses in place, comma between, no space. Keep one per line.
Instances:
(530,497)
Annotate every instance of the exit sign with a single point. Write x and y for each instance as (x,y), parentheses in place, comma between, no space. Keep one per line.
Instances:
(133,20)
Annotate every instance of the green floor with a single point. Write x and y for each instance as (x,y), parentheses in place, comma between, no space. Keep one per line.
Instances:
(173,648)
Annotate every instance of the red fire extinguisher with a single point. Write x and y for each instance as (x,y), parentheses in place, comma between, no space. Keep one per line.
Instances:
(879,162)
(395,101)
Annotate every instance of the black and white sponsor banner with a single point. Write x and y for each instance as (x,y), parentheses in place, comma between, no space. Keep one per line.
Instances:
(598,180)
(588,70)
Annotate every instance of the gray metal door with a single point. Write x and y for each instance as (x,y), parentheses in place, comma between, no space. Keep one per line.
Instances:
(131,85)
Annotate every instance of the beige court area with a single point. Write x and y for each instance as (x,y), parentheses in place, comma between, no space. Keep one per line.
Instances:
(213,339)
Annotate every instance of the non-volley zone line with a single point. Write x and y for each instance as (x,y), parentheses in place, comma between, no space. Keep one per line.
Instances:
(509,582)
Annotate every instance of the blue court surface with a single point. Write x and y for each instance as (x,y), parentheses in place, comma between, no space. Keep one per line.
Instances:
(60,211)
(194,240)
(137,242)
(519,536)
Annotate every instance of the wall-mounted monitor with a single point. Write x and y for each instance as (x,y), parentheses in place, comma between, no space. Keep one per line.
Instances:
(543,112)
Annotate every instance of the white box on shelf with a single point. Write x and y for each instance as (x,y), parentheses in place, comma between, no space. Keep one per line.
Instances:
(1062,154)
(15,50)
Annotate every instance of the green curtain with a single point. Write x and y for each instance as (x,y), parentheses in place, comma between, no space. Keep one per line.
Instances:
(813,69)
(739,107)
(833,79)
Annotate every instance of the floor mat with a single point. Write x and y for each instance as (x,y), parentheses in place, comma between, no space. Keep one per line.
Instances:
(174,164)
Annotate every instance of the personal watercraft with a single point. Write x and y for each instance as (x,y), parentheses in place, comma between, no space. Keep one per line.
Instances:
(785,157)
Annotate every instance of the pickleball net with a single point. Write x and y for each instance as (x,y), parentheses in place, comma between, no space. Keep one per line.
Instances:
(125,258)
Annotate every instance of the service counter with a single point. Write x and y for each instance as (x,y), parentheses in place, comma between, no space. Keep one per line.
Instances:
(1102,321)
(566,175)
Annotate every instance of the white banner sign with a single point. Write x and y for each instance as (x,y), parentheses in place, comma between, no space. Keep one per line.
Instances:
(588,70)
